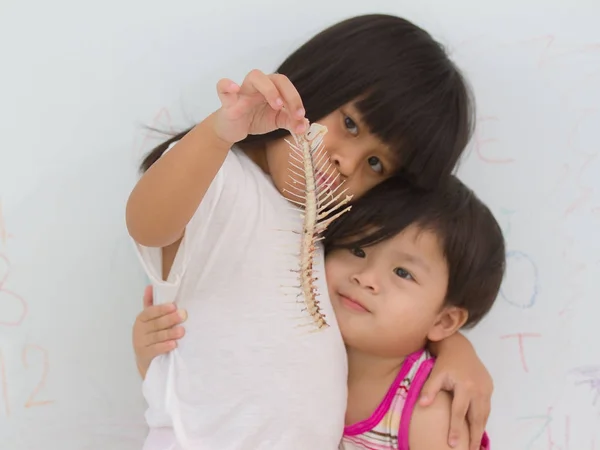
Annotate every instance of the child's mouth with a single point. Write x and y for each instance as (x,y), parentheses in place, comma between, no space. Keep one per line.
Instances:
(352,304)
(328,181)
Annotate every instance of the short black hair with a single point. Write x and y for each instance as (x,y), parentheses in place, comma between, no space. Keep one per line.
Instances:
(471,238)
(407,90)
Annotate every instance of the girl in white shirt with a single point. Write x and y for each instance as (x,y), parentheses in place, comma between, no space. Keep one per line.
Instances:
(205,218)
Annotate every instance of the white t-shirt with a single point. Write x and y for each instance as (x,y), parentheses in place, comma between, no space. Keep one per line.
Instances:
(247,375)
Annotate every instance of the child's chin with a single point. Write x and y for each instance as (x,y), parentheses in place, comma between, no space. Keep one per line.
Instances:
(352,326)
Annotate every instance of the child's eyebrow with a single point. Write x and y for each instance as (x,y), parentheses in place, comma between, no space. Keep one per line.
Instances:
(392,157)
(411,258)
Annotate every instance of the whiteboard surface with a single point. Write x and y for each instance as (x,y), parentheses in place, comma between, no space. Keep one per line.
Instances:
(80,80)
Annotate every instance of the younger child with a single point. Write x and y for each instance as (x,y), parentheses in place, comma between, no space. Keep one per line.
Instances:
(422,265)
(404,268)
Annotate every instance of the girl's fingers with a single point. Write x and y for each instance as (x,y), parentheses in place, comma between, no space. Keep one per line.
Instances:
(160,348)
(276,90)
(257,82)
(478,415)
(165,335)
(227,91)
(460,406)
(291,97)
(294,109)
(168,321)
(153,312)
(283,120)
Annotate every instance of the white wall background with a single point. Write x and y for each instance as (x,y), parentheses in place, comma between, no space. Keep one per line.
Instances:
(78,80)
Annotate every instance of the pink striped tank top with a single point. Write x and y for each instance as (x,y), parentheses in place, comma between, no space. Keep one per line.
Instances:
(388,426)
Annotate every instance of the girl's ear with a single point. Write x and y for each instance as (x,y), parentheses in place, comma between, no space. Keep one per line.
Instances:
(448,322)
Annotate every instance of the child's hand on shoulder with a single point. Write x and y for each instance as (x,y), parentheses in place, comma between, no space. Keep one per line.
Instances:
(430,425)
(261,104)
(459,371)
(156,331)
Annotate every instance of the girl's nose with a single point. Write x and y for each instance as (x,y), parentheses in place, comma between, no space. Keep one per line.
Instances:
(346,160)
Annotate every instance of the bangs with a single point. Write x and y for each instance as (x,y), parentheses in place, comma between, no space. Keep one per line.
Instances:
(424,113)
(409,93)
(384,211)
(395,204)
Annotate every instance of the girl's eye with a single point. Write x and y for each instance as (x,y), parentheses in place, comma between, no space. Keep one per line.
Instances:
(350,125)
(375,164)
(359,252)
(402,273)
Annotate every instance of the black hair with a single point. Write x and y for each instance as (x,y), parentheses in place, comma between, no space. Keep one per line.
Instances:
(407,90)
(469,234)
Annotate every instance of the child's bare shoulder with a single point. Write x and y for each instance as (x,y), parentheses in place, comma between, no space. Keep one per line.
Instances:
(430,426)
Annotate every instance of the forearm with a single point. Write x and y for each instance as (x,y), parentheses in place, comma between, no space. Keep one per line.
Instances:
(168,194)
(457,341)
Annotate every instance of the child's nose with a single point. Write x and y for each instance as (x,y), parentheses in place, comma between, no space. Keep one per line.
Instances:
(346,161)
(366,279)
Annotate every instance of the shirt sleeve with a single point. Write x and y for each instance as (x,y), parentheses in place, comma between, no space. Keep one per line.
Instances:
(151,257)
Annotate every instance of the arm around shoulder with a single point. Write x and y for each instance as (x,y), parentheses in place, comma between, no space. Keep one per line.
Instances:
(456,341)
(430,426)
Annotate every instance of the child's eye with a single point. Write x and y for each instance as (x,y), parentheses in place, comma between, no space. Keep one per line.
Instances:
(350,125)
(402,273)
(356,251)
(375,164)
